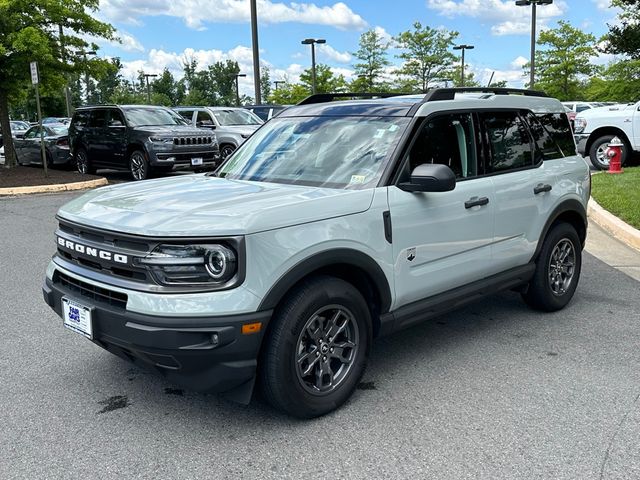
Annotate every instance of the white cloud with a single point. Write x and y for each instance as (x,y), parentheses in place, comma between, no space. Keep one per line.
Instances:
(196,13)
(602,4)
(504,15)
(382,33)
(332,54)
(519,62)
(129,43)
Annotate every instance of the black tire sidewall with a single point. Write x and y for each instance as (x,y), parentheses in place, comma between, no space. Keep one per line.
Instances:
(280,369)
(540,295)
(606,139)
(147,168)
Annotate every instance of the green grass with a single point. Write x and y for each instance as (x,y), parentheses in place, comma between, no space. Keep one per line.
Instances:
(620,194)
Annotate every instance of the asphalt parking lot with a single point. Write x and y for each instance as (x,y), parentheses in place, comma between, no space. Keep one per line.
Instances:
(492,391)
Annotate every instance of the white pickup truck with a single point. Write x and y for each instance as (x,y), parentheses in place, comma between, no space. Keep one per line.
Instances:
(595,128)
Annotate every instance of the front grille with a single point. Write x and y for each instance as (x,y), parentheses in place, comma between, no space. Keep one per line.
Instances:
(109,241)
(97,294)
(192,141)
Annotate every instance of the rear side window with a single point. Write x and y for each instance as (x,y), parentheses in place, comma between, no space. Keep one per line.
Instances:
(81,118)
(115,118)
(558,127)
(98,119)
(509,142)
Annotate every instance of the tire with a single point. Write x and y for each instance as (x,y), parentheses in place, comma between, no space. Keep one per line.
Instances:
(138,165)
(83,164)
(552,288)
(597,150)
(300,345)
(49,158)
(226,150)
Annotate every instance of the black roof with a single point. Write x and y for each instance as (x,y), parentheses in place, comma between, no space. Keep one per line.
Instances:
(387,104)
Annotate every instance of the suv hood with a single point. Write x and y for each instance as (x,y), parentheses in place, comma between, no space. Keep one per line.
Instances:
(239,129)
(199,205)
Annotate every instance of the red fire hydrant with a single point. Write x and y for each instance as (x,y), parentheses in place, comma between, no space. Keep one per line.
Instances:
(614,152)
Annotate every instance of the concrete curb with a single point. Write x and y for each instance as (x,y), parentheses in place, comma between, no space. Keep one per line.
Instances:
(61,187)
(613,225)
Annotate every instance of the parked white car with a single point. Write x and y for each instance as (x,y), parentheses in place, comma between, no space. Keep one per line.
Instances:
(595,128)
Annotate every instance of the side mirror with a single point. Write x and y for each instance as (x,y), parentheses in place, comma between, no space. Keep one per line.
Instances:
(205,125)
(430,177)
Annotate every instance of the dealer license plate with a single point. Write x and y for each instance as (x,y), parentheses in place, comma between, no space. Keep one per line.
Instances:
(77,317)
(196,161)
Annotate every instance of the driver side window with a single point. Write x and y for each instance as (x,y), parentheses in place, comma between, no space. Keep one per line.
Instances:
(448,140)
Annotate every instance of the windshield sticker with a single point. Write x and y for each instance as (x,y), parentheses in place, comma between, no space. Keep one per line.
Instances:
(393,128)
(357,179)
(379,133)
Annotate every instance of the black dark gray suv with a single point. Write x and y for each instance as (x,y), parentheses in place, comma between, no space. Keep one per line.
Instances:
(139,138)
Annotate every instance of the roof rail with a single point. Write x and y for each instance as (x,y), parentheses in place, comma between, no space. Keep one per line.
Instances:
(328,97)
(449,93)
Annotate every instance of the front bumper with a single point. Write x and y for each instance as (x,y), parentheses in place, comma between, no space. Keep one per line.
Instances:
(581,143)
(209,355)
(182,159)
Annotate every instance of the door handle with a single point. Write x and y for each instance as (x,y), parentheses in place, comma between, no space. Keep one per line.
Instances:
(540,188)
(476,202)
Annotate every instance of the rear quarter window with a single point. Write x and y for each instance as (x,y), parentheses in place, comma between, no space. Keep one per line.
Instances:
(558,127)
(81,118)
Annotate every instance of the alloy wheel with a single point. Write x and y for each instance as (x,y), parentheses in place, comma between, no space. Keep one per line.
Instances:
(82,163)
(326,349)
(601,154)
(562,264)
(138,166)
(226,151)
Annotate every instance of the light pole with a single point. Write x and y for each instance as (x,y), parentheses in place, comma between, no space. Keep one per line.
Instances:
(463,48)
(63,58)
(146,77)
(278,82)
(238,75)
(312,42)
(534,4)
(256,53)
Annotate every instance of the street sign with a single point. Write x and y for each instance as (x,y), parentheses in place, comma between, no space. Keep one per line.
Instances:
(34,73)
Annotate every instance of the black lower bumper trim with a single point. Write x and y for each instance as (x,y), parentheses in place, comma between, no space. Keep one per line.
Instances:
(213,356)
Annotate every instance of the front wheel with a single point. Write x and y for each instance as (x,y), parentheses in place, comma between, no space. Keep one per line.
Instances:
(138,165)
(598,152)
(317,349)
(226,150)
(557,270)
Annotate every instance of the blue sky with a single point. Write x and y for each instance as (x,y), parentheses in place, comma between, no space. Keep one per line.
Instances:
(160,33)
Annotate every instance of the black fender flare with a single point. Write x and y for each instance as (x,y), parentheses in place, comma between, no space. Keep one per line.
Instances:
(572,206)
(342,256)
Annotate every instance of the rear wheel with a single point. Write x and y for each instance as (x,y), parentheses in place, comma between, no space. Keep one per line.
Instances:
(557,270)
(83,164)
(317,348)
(138,165)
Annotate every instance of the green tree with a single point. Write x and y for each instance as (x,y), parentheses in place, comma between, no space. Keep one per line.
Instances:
(222,83)
(166,91)
(564,57)
(326,80)
(289,94)
(30,31)
(625,38)
(426,56)
(106,85)
(373,60)
(265,83)
(498,84)
(620,82)
(455,76)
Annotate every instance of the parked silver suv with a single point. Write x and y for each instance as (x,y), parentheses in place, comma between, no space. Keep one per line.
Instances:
(232,125)
(335,223)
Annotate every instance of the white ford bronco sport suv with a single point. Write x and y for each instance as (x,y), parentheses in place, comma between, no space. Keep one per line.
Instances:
(337,222)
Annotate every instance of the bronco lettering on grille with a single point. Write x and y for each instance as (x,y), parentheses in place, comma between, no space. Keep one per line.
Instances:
(93,252)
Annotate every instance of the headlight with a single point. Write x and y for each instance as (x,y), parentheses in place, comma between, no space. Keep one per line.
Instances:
(161,139)
(192,265)
(579,124)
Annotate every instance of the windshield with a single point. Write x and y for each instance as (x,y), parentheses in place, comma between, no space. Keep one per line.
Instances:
(138,117)
(58,129)
(19,126)
(236,117)
(344,152)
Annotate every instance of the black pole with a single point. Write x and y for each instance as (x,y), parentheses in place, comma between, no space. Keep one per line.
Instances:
(533,46)
(256,53)
(462,76)
(313,68)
